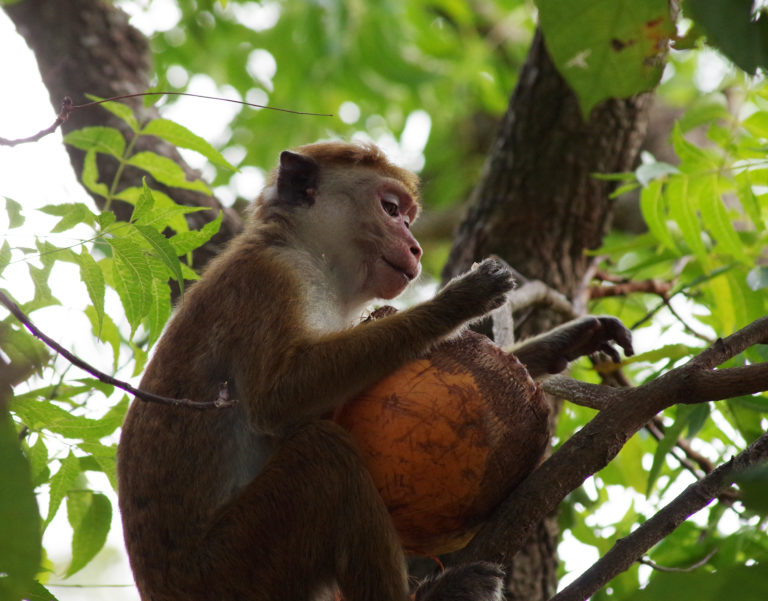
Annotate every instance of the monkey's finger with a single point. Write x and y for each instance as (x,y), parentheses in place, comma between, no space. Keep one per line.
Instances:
(609,350)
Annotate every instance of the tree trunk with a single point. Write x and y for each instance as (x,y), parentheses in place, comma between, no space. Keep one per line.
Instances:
(88,47)
(539,207)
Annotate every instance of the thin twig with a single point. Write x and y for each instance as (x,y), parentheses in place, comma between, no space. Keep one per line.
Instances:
(691,568)
(221,402)
(68,108)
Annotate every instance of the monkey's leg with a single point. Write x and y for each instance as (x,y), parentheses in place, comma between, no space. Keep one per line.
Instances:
(311,518)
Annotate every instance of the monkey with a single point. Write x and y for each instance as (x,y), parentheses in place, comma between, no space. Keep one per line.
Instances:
(268,499)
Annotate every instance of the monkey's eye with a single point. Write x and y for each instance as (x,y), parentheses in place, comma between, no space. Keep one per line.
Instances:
(390,204)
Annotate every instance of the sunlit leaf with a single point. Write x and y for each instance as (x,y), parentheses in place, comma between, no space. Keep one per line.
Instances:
(683,210)
(166,171)
(92,277)
(185,242)
(13,209)
(90,175)
(160,310)
(606,48)
(716,219)
(104,329)
(107,140)
(653,207)
(118,109)
(90,515)
(133,279)
(178,135)
(71,214)
(61,482)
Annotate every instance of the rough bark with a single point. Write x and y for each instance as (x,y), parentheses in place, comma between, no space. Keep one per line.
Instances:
(88,47)
(539,207)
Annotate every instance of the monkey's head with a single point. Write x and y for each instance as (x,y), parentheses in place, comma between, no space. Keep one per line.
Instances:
(351,208)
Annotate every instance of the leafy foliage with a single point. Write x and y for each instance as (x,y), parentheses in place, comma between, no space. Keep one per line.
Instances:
(138,259)
(384,67)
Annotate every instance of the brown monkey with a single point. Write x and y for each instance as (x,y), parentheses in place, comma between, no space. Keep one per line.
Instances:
(268,500)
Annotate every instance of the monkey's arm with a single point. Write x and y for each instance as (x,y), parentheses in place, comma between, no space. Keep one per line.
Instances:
(551,352)
(312,376)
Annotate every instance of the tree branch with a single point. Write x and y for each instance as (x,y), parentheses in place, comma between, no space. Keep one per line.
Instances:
(624,412)
(221,402)
(629,549)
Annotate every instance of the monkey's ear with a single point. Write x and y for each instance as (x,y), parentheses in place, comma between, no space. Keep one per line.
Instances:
(296,178)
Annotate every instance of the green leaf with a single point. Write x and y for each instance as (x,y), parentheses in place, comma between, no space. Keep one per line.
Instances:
(119,110)
(105,330)
(160,310)
(106,140)
(716,219)
(757,124)
(71,214)
(90,175)
(692,158)
(164,251)
(606,48)
(93,278)
(653,208)
(667,443)
(20,550)
(185,242)
(44,415)
(38,462)
(144,203)
(13,208)
(163,213)
(132,276)
(61,482)
(178,135)
(749,201)
(105,219)
(682,208)
(5,255)
(90,515)
(101,457)
(729,26)
(166,171)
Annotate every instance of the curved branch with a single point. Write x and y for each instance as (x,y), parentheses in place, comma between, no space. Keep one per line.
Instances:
(629,549)
(223,401)
(595,445)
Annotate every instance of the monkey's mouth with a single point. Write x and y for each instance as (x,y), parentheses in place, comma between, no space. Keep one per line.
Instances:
(408,274)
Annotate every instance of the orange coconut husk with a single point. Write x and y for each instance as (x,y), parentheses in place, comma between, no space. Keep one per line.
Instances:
(447,437)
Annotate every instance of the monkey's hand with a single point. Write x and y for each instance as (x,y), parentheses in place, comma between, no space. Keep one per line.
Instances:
(480,581)
(478,291)
(551,352)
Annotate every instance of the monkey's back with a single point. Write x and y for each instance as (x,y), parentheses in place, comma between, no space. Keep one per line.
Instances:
(177,465)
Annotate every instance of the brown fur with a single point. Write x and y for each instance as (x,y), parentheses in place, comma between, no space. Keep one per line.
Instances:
(267,500)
